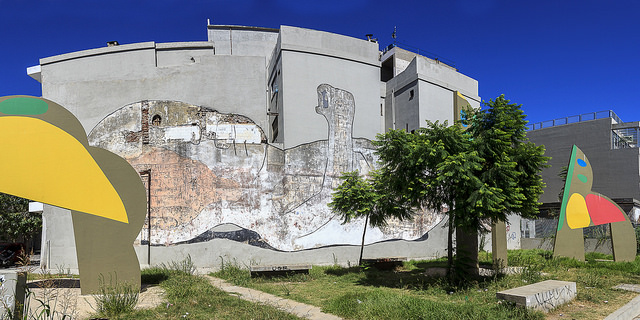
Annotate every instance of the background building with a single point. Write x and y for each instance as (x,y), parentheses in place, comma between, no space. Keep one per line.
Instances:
(241,138)
(611,146)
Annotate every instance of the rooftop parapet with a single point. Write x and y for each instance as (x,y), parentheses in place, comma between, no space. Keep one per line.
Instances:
(577,118)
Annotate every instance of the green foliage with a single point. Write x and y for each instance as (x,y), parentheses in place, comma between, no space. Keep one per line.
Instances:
(185,266)
(16,221)
(388,305)
(475,174)
(116,298)
(638,240)
(230,270)
(359,197)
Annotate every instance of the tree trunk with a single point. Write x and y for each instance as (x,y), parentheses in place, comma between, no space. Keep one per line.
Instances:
(450,245)
(467,252)
(364,231)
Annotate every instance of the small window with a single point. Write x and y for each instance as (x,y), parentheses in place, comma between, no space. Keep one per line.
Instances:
(156,120)
(411,94)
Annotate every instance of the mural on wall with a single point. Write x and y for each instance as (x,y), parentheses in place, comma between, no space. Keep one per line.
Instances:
(582,208)
(213,175)
(50,161)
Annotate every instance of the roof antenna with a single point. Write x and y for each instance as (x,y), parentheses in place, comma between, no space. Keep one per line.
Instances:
(394,34)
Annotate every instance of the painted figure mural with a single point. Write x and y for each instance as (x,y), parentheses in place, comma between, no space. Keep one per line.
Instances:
(213,175)
(47,158)
(582,208)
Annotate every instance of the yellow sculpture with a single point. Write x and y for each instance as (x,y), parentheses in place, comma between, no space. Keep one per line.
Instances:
(47,158)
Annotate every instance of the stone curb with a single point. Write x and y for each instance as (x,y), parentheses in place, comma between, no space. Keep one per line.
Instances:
(631,310)
(293,307)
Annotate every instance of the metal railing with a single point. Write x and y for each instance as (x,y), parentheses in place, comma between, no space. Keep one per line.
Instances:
(622,138)
(573,119)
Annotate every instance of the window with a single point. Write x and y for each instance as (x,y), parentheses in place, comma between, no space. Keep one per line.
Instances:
(156,120)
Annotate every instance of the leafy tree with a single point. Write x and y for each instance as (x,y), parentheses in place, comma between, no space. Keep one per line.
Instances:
(357,197)
(16,222)
(475,174)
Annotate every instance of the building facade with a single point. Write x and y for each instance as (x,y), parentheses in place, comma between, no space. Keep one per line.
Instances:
(611,146)
(241,139)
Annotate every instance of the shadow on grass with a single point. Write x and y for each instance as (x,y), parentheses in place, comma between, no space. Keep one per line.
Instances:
(340,271)
(423,275)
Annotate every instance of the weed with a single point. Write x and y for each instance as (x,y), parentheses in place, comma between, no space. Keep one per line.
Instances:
(231,271)
(286,289)
(531,274)
(115,298)
(49,301)
(594,278)
(183,266)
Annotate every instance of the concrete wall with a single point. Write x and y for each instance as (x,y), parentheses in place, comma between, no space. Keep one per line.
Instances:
(615,172)
(310,58)
(243,40)
(217,179)
(210,254)
(58,249)
(94,83)
(434,85)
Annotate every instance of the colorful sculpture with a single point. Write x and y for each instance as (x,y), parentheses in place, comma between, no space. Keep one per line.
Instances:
(47,158)
(582,207)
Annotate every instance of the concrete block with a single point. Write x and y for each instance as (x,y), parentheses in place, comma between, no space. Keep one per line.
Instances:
(542,296)
(12,292)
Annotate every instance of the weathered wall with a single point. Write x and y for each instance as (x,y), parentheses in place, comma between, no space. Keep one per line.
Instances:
(210,169)
(94,83)
(216,174)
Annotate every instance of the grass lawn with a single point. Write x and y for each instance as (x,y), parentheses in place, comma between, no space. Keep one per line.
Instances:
(188,296)
(408,293)
(193,297)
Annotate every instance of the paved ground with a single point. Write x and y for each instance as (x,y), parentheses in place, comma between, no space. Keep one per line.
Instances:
(63,297)
(293,307)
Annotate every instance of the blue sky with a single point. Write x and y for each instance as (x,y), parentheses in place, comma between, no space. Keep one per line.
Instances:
(556,58)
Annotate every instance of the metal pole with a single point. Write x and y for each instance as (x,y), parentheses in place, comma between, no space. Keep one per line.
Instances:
(149,217)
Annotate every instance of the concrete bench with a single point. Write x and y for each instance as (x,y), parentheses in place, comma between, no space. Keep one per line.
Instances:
(543,296)
(279,270)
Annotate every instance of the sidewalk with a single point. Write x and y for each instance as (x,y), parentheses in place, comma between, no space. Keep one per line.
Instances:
(293,307)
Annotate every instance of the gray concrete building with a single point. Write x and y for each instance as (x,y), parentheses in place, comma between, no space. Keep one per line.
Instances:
(610,144)
(240,139)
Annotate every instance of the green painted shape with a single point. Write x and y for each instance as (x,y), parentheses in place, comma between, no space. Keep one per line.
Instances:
(23,106)
(567,186)
(582,178)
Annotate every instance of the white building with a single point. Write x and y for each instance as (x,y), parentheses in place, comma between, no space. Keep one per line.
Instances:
(242,138)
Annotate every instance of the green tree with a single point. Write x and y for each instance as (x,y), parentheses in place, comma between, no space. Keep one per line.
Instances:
(358,197)
(16,222)
(475,174)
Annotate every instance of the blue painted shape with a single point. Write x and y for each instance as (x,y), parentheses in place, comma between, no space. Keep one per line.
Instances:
(581,163)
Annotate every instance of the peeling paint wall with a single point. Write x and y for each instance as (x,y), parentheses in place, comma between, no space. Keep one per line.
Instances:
(210,169)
